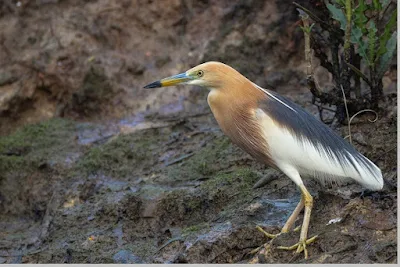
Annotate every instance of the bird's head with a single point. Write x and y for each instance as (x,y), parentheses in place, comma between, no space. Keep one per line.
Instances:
(210,74)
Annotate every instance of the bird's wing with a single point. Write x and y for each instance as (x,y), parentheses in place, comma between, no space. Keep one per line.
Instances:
(312,145)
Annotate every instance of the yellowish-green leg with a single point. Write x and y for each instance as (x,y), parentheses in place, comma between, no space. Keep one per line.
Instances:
(289,223)
(286,228)
(303,242)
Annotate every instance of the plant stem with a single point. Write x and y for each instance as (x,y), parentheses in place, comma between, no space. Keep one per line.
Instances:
(345,81)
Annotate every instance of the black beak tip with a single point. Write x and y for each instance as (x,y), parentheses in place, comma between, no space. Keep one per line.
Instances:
(156,84)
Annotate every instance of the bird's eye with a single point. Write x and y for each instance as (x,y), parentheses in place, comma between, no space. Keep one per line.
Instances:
(200,73)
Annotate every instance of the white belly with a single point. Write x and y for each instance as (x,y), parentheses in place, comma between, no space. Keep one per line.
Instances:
(286,149)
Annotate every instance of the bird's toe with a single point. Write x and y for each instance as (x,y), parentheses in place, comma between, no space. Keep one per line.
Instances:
(272,236)
(300,246)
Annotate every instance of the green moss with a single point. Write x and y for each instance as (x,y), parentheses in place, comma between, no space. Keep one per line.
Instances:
(204,163)
(122,156)
(33,144)
(222,194)
(195,228)
(233,187)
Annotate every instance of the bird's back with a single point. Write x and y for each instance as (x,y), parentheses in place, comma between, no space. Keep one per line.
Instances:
(293,135)
(278,132)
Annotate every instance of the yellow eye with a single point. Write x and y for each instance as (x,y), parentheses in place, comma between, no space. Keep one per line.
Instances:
(200,73)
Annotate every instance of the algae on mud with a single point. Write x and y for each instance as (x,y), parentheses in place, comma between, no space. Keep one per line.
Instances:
(119,195)
(202,164)
(37,151)
(122,156)
(36,144)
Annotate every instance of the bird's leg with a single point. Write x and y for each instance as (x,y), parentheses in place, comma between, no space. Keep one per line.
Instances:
(286,228)
(289,223)
(303,242)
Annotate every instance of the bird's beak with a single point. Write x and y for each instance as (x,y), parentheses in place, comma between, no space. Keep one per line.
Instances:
(170,81)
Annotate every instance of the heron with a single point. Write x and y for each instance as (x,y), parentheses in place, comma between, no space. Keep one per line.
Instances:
(279,133)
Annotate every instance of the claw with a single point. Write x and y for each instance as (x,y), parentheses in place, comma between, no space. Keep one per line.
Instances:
(272,236)
(301,246)
(297,228)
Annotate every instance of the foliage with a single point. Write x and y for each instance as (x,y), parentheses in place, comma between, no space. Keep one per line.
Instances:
(364,32)
(361,38)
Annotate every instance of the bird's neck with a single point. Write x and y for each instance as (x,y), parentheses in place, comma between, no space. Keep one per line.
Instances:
(239,92)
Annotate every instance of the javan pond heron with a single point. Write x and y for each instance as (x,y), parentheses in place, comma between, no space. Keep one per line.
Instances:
(279,133)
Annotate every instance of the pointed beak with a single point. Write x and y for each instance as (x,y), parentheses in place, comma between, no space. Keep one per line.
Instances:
(170,81)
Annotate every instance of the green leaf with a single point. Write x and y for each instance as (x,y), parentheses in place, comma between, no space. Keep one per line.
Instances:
(386,34)
(360,19)
(362,50)
(340,2)
(387,57)
(357,38)
(371,42)
(338,15)
(356,35)
(377,5)
(307,29)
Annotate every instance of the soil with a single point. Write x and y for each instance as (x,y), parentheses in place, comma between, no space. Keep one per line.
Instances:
(95,169)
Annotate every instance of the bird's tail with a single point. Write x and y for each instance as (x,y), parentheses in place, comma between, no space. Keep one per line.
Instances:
(368,174)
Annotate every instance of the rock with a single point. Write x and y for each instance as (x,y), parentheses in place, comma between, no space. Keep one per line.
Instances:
(359,138)
(126,256)
(2,260)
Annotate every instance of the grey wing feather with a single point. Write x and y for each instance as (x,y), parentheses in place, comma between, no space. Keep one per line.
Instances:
(305,126)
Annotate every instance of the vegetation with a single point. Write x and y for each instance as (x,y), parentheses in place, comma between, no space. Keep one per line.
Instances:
(35,145)
(122,156)
(356,46)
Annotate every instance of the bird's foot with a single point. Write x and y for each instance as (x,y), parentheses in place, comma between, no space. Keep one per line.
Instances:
(266,248)
(301,246)
(266,245)
(272,236)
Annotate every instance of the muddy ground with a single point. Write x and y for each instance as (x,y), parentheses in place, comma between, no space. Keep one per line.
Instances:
(94,169)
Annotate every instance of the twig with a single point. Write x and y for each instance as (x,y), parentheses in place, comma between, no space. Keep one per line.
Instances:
(345,77)
(365,110)
(358,113)
(307,52)
(179,159)
(359,73)
(357,65)
(179,238)
(347,113)
(317,19)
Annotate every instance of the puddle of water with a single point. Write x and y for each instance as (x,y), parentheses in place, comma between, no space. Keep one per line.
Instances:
(278,211)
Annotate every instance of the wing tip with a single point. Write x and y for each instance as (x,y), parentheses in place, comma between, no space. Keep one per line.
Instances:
(373,180)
